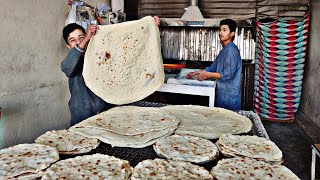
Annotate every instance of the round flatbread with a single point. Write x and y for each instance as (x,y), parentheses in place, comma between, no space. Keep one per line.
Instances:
(131,120)
(96,166)
(123,62)
(208,122)
(68,142)
(186,148)
(249,146)
(169,169)
(128,126)
(26,160)
(246,168)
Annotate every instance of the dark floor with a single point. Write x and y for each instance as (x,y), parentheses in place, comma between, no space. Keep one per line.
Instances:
(295,144)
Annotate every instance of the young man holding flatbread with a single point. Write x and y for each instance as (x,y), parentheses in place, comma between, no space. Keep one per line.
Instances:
(226,69)
(83,102)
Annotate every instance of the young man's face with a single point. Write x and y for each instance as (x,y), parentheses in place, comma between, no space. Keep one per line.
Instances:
(225,34)
(74,38)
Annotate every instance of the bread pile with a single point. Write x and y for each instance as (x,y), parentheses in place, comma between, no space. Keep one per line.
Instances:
(128,126)
(253,158)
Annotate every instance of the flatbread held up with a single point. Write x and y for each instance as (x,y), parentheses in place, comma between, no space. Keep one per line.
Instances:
(123,62)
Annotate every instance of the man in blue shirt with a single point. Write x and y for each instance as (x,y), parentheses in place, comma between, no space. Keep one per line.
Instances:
(83,102)
(226,69)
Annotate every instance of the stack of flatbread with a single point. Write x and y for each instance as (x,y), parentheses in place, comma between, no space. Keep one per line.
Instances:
(249,146)
(123,62)
(68,142)
(208,122)
(95,166)
(169,169)
(246,168)
(26,161)
(128,126)
(186,148)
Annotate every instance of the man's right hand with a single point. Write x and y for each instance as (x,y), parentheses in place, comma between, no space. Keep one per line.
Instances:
(91,31)
(191,74)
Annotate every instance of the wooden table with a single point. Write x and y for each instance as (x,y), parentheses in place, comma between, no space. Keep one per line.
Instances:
(315,151)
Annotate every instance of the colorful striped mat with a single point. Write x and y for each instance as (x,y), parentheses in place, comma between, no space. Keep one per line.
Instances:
(279,66)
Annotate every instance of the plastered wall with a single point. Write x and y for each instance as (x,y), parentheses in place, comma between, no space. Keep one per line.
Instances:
(34,92)
(310,101)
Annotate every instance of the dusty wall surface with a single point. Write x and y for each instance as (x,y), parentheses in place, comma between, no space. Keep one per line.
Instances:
(34,92)
(310,99)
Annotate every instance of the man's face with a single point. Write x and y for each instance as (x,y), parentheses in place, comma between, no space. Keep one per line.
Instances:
(225,34)
(74,38)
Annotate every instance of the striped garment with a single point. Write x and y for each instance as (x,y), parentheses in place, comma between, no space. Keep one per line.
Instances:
(279,66)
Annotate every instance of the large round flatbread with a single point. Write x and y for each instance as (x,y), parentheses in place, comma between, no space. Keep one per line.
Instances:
(128,126)
(208,122)
(131,120)
(249,146)
(186,148)
(26,160)
(169,169)
(96,166)
(246,168)
(68,142)
(123,62)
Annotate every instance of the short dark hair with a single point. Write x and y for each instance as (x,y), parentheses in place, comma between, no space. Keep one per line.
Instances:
(231,23)
(69,29)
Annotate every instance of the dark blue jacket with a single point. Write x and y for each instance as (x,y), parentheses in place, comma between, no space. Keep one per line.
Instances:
(228,89)
(83,102)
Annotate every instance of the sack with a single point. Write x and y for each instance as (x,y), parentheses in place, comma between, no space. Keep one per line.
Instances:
(72,16)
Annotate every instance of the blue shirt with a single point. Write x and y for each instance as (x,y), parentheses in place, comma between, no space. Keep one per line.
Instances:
(228,89)
(83,102)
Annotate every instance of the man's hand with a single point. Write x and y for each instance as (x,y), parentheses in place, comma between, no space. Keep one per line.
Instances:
(202,75)
(91,31)
(156,20)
